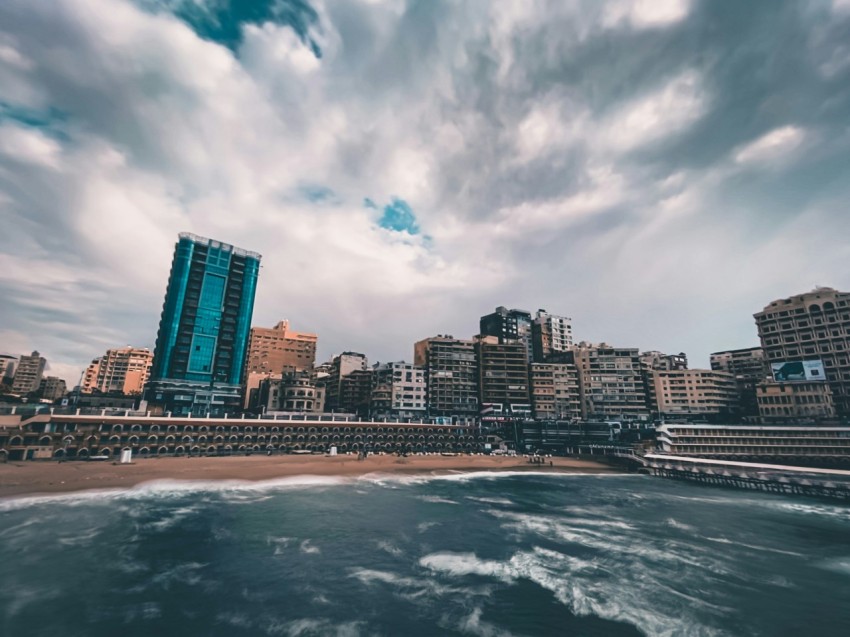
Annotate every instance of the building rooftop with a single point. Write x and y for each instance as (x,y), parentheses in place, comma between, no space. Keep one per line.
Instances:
(218,244)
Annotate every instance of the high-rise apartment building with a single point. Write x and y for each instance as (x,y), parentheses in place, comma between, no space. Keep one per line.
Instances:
(8,363)
(502,372)
(807,328)
(355,393)
(554,391)
(341,367)
(123,370)
(508,326)
(450,374)
(659,361)
(747,362)
(653,361)
(693,392)
(399,391)
(272,350)
(610,382)
(51,388)
(748,367)
(28,373)
(550,335)
(202,341)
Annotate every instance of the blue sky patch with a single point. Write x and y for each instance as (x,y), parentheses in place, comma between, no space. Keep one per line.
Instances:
(222,20)
(398,216)
(50,121)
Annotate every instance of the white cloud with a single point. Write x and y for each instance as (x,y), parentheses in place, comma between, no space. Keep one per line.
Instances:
(511,141)
(552,125)
(669,110)
(29,146)
(777,145)
(12,57)
(643,14)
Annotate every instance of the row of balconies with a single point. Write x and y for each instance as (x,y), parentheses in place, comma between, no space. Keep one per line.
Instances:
(835,442)
(756,451)
(749,435)
(203,429)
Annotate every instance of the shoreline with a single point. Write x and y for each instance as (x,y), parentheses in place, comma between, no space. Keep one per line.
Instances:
(42,478)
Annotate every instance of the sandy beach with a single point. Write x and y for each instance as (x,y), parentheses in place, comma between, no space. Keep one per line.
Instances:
(35,477)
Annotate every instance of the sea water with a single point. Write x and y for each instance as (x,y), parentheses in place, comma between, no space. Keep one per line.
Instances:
(474,554)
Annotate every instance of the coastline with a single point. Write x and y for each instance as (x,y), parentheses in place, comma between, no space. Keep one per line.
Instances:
(34,478)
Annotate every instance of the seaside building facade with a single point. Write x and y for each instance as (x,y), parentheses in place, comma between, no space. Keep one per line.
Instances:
(84,436)
(337,397)
(554,391)
(291,392)
(399,391)
(355,393)
(450,376)
(610,382)
(123,370)
(693,392)
(795,402)
(271,350)
(550,334)
(812,329)
(653,361)
(502,373)
(748,367)
(797,445)
(52,388)
(202,343)
(8,363)
(28,373)
(508,326)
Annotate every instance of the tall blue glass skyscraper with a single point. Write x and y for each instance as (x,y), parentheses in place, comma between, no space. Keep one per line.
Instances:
(203,331)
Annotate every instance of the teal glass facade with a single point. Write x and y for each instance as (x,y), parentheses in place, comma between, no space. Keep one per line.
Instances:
(206,318)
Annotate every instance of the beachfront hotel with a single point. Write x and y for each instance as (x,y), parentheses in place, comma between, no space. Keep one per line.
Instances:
(794,444)
(199,359)
(811,327)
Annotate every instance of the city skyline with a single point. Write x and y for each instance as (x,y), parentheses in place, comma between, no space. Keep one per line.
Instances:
(406,169)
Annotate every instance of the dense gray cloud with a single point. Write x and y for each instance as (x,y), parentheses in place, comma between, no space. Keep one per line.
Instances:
(657,170)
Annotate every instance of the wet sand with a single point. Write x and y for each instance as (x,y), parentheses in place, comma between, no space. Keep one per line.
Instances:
(45,477)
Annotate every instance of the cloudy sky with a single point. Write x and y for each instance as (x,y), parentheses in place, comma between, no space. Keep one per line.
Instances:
(658,170)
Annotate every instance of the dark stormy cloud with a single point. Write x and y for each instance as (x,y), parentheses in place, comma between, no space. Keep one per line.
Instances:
(658,170)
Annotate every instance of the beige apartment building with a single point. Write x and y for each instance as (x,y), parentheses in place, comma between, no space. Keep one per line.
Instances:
(814,326)
(123,370)
(28,373)
(271,350)
(550,334)
(450,375)
(748,367)
(653,361)
(795,401)
(610,382)
(693,392)
(554,391)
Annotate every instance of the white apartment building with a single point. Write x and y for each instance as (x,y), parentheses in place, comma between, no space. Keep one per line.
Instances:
(399,390)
